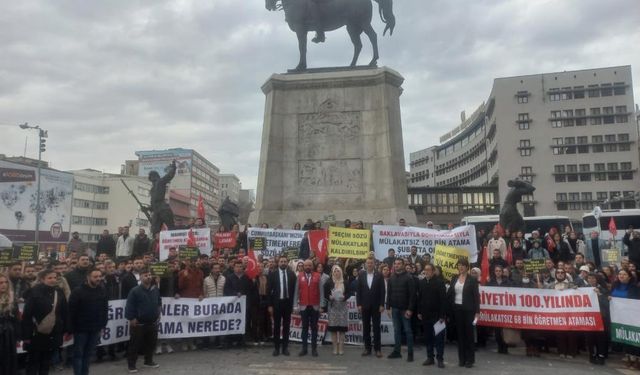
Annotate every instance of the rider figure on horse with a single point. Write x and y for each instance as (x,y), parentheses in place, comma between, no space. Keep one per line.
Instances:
(320,13)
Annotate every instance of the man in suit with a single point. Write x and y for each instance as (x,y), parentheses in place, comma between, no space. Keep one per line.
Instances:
(281,286)
(307,297)
(370,301)
(432,302)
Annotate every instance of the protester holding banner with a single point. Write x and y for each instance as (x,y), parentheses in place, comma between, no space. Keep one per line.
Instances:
(282,287)
(237,284)
(499,281)
(464,298)
(143,313)
(432,302)
(597,341)
(88,307)
(44,321)
(370,298)
(9,328)
(337,292)
(401,299)
(307,297)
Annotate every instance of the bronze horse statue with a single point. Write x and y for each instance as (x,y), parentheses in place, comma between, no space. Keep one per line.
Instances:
(304,16)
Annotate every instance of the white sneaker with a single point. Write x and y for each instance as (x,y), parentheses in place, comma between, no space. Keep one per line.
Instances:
(169,348)
(159,349)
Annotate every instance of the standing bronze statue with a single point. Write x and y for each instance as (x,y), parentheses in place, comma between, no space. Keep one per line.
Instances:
(510,218)
(320,16)
(160,210)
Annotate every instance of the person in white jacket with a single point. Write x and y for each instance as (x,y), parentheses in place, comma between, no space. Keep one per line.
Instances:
(213,286)
(124,246)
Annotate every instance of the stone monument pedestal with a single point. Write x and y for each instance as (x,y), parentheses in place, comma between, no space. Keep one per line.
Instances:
(332,148)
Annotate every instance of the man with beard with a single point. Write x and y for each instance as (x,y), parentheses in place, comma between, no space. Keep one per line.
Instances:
(307,297)
(78,275)
(141,244)
(281,289)
(131,279)
(88,306)
(106,245)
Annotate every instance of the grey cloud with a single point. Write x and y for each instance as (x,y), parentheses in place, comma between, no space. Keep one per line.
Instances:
(111,77)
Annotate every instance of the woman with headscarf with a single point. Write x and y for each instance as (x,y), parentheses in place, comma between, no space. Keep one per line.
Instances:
(8,328)
(336,290)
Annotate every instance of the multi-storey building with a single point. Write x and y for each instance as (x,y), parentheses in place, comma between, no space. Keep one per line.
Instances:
(230,187)
(195,177)
(101,201)
(571,134)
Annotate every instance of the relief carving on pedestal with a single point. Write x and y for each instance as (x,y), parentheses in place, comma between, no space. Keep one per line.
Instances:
(330,176)
(329,133)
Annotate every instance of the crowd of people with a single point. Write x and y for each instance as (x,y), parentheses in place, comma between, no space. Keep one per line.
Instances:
(68,293)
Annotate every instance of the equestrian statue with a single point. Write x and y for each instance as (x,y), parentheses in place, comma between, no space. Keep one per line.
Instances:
(304,16)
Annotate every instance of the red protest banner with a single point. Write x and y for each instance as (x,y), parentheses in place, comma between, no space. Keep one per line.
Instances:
(224,240)
(540,309)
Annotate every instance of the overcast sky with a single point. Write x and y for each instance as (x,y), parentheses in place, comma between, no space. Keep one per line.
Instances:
(107,78)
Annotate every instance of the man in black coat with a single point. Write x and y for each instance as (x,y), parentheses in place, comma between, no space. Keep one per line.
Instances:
(370,301)
(432,302)
(632,240)
(238,284)
(78,275)
(131,279)
(281,286)
(401,299)
(141,244)
(106,244)
(88,306)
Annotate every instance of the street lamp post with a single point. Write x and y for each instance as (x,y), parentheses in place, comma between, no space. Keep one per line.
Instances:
(42,134)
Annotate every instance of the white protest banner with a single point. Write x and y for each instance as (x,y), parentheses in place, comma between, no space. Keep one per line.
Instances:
(295,331)
(273,241)
(625,321)
(353,336)
(540,309)
(401,239)
(183,318)
(176,238)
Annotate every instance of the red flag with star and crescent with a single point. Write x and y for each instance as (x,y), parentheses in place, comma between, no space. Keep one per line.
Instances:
(191,238)
(612,227)
(201,211)
(318,244)
(252,268)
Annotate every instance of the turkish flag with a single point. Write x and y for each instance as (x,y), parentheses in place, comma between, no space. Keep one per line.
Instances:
(201,212)
(509,255)
(612,227)
(484,267)
(318,244)
(191,238)
(252,268)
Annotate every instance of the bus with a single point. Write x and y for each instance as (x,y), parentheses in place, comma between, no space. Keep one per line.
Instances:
(540,223)
(598,221)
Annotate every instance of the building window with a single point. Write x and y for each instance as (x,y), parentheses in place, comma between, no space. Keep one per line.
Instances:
(583,140)
(570,142)
(594,91)
(553,95)
(578,92)
(595,116)
(559,171)
(606,90)
(557,146)
(610,143)
(618,88)
(602,196)
(525,147)
(585,172)
(526,174)
(597,143)
(613,174)
(572,173)
(523,97)
(599,175)
(566,95)
(581,117)
(587,201)
(574,201)
(523,125)
(608,117)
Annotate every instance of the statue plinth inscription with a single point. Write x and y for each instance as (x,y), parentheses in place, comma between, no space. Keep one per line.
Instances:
(332,145)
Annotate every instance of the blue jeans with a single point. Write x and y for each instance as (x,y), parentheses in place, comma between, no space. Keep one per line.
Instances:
(400,323)
(84,343)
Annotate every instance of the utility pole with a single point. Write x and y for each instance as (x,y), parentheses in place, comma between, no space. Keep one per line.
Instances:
(42,146)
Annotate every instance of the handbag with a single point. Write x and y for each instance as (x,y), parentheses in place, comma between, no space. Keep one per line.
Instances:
(46,325)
